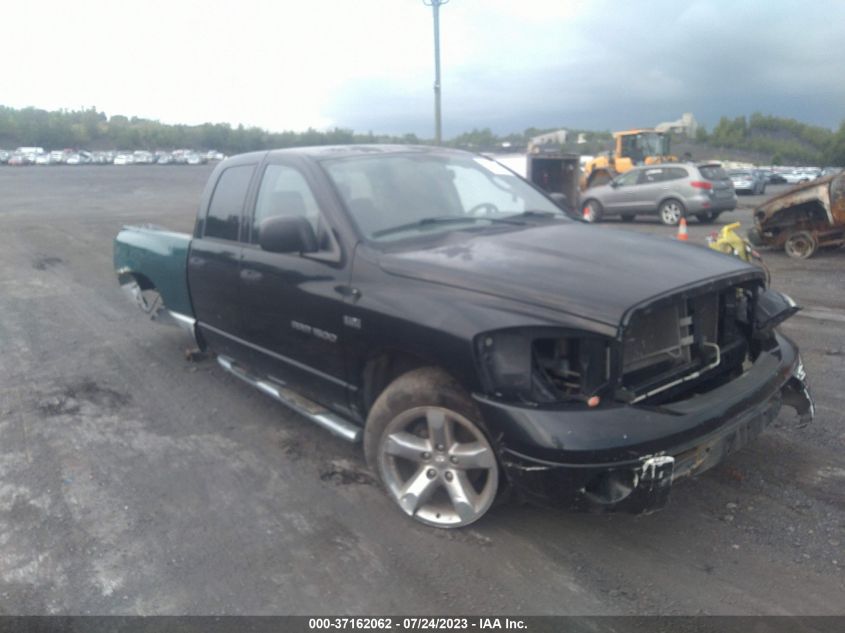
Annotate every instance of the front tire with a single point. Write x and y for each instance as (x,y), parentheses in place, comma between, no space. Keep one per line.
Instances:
(425,439)
(671,212)
(592,211)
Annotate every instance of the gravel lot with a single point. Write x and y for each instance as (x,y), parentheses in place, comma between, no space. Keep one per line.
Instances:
(135,481)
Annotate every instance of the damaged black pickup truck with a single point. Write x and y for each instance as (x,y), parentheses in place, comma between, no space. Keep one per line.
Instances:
(450,316)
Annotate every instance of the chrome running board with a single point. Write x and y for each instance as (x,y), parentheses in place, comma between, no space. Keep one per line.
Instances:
(307,408)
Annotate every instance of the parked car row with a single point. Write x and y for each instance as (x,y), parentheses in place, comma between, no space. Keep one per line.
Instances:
(752,181)
(796,175)
(38,156)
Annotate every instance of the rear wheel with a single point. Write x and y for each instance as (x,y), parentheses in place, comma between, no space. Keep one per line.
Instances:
(671,212)
(592,211)
(801,245)
(147,299)
(425,439)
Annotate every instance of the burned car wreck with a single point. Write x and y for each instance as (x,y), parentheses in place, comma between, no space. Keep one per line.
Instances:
(450,316)
(803,219)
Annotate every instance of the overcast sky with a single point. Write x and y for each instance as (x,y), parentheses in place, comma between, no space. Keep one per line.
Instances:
(368,64)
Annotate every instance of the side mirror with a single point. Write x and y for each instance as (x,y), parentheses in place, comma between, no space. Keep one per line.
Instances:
(287,234)
(614,183)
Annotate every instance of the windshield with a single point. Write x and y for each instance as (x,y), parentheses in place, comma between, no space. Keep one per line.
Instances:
(398,195)
(653,144)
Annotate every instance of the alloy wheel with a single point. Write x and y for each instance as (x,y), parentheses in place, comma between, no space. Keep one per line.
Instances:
(671,212)
(438,466)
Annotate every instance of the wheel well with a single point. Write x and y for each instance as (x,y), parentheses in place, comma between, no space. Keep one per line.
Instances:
(144,282)
(672,199)
(805,214)
(381,370)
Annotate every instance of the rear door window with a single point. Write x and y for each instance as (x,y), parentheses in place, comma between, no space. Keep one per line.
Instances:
(713,172)
(674,173)
(227,203)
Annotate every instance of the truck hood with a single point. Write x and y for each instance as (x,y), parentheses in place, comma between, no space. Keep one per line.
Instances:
(589,271)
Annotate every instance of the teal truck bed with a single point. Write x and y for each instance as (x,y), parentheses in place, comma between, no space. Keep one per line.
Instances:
(162,255)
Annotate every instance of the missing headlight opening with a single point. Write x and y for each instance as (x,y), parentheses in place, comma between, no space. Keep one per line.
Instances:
(570,367)
(541,367)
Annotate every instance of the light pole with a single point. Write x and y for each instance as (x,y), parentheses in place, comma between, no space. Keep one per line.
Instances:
(435,6)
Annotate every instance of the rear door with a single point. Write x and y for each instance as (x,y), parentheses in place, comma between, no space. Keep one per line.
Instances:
(214,257)
(675,183)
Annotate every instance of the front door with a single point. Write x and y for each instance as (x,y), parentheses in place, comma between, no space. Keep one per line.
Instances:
(621,198)
(293,303)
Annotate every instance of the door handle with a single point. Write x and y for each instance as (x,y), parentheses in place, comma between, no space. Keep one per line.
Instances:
(348,291)
(197,261)
(251,276)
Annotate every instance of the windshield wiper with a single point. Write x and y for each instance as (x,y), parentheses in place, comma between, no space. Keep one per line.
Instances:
(442,219)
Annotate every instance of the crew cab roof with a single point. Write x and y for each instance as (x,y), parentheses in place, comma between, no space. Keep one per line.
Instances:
(321,152)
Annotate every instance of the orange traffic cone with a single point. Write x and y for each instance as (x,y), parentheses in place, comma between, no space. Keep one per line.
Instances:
(682,230)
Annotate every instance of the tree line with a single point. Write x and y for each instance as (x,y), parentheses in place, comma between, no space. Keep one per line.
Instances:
(91,129)
(784,140)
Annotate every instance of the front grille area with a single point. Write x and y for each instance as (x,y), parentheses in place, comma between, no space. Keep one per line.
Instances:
(684,336)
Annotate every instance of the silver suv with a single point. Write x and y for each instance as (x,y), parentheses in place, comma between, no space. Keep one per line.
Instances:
(670,190)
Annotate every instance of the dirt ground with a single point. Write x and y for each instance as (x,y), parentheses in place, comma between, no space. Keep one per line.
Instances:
(135,481)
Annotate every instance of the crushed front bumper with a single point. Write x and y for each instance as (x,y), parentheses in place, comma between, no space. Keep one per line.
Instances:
(621,457)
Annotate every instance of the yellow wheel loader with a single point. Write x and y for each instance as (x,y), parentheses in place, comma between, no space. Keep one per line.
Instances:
(633,147)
